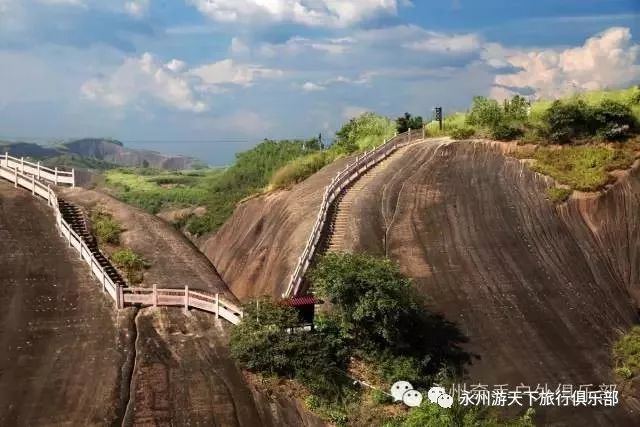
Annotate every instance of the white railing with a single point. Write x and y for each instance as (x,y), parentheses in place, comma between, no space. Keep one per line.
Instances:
(37,188)
(182,298)
(349,174)
(120,295)
(54,176)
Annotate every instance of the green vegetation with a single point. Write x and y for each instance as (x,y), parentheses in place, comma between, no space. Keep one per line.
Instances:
(360,133)
(583,167)
(376,318)
(132,263)
(559,194)
(407,122)
(378,330)
(626,354)
(152,189)
(105,228)
(430,415)
(218,190)
(386,320)
(364,133)
(602,116)
(299,169)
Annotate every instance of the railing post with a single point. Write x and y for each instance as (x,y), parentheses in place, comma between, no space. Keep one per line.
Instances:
(33,185)
(120,297)
(155,295)
(424,133)
(22,164)
(186,299)
(6,159)
(56,176)
(49,196)
(217,306)
(15,177)
(38,170)
(73,178)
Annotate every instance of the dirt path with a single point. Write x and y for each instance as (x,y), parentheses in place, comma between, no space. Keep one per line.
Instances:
(61,352)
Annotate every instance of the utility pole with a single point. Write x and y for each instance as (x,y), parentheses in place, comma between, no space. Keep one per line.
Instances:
(320,141)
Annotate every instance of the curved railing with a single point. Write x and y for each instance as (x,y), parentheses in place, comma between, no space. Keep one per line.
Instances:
(54,176)
(349,174)
(122,296)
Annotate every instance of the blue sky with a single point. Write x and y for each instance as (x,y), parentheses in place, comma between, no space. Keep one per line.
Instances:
(211,77)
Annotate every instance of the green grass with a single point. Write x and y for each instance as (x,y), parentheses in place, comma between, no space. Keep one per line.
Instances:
(219,190)
(132,263)
(450,124)
(626,354)
(559,194)
(584,167)
(300,169)
(154,192)
(106,229)
(629,97)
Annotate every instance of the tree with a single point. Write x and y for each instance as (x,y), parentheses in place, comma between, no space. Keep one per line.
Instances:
(516,109)
(568,120)
(383,316)
(363,132)
(485,112)
(263,342)
(406,122)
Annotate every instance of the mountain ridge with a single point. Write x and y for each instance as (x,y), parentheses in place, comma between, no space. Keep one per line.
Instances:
(108,153)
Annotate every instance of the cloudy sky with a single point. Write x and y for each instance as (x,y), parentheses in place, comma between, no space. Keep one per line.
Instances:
(211,77)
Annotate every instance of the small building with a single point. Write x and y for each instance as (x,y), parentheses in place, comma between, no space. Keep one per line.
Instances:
(305,305)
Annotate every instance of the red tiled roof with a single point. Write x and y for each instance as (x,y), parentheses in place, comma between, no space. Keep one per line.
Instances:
(302,300)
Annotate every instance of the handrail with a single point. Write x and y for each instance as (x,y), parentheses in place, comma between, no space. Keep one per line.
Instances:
(349,174)
(55,176)
(198,299)
(185,297)
(39,189)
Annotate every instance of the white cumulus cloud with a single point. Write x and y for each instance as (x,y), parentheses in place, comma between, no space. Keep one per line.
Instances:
(337,13)
(146,77)
(607,60)
(172,84)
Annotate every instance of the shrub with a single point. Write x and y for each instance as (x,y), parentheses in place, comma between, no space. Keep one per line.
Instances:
(568,120)
(559,194)
(132,263)
(462,133)
(300,169)
(613,120)
(583,168)
(516,109)
(485,112)
(505,132)
(261,343)
(626,354)
(363,132)
(106,229)
(407,122)
(379,311)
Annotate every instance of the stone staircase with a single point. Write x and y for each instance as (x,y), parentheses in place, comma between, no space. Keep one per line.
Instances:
(343,214)
(75,218)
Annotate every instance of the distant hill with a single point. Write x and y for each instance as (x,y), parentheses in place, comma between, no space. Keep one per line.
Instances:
(96,153)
